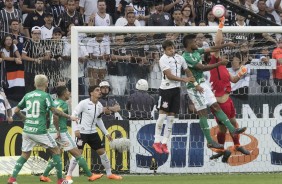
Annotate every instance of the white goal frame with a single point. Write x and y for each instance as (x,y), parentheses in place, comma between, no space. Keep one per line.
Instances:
(75,30)
(149,29)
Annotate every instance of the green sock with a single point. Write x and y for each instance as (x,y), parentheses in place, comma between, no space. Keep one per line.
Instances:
(58,165)
(18,166)
(82,163)
(49,167)
(205,128)
(221,116)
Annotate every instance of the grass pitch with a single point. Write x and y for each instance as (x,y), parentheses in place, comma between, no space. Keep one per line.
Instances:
(274,178)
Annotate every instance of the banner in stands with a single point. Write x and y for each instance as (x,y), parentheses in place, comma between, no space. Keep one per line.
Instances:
(189,154)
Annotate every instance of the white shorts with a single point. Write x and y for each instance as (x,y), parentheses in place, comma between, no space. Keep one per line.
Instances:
(202,101)
(65,142)
(31,140)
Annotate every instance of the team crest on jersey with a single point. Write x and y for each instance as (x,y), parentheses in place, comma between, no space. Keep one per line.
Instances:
(76,22)
(166,17)
(35,18)
(108,22)
(165,105)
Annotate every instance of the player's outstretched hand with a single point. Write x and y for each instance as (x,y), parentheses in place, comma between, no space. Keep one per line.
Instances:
(221,22)
(200,89)
(242,71)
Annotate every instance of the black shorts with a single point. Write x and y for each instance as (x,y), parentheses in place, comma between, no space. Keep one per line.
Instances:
(169,100)
(93,140)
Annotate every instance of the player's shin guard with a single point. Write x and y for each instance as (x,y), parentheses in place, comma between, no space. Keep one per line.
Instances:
(18,166)
(82,163)
(72,165)
(221,116)
(205,128)
(159,127)
(58,165)
(106,163)
(168,129)
(49,167)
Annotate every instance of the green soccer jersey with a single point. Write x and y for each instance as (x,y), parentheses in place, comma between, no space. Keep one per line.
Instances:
(37,104)
(192,59)
(62,106)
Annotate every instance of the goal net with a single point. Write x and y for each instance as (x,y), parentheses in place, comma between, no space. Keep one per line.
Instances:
(123,55)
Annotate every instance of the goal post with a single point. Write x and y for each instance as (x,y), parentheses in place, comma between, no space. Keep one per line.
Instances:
(248,117)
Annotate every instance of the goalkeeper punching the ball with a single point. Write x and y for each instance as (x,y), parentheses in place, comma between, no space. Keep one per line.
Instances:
(221,86)
(192,56)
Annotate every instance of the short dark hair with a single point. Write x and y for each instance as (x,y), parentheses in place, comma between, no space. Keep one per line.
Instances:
(92,88)
(40,1)
(14,20)
(167,43)
(101,1)
(187,38)
(60,90)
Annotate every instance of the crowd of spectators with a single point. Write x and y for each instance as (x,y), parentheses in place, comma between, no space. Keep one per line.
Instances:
(35,38)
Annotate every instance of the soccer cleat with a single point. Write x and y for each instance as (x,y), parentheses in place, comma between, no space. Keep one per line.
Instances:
(44,179)
(243,150)
(214,144)
(157,147)
(238,131)
(226,156)
(216,156)
(63,181)
(68,178)
(12,180)
(95,177)
(164,148)
(114,177)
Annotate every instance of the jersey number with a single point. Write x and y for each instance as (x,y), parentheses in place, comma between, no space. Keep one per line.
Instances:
(34,107)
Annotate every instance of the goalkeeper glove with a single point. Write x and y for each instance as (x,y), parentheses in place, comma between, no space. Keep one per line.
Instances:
(221,22)
(242,71)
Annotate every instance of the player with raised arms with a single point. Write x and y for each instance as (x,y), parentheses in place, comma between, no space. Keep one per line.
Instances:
(221,86)
(193,57)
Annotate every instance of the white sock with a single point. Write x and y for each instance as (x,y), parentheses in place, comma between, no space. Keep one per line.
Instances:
(168,129)
(72,165)
(159,127)
(106,163)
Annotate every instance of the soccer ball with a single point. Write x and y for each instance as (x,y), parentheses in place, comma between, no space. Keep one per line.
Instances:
(218,11)
(120,144)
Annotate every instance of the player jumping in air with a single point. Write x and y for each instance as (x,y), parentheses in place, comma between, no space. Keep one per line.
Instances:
(169,100)
(220,82)
(201,101)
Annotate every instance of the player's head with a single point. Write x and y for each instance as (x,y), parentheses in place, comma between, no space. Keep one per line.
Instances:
(142,85)
(41,81)
(189,42)
(169,47)
(105,88)
(94,91)
(63,92)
